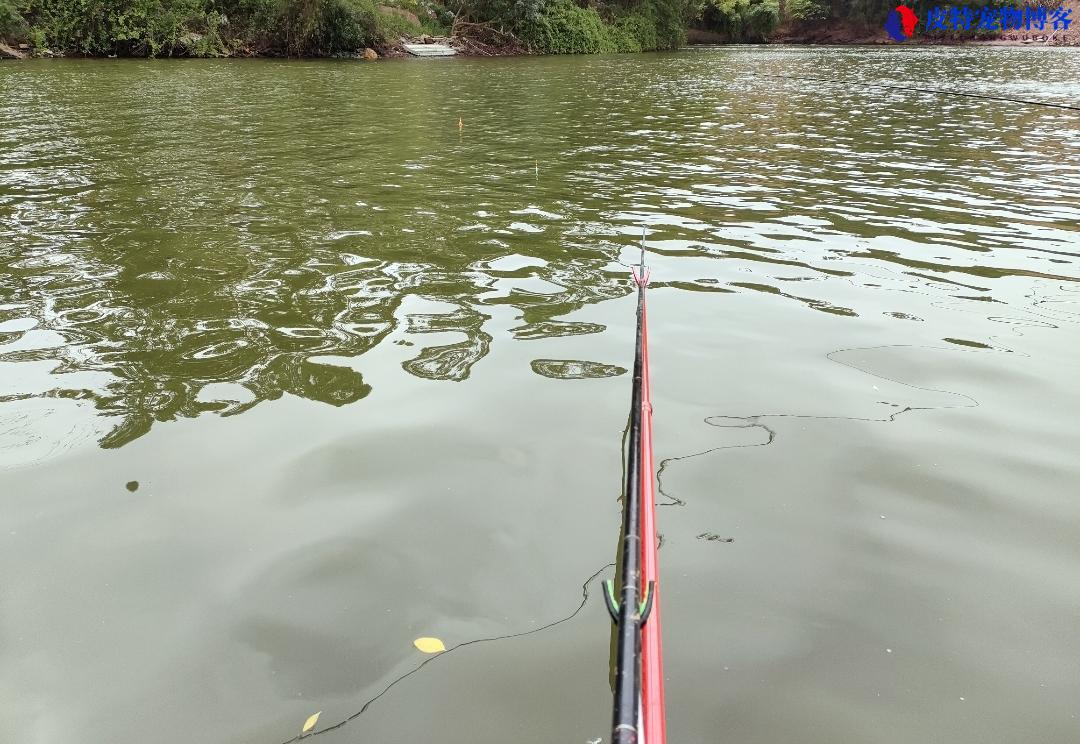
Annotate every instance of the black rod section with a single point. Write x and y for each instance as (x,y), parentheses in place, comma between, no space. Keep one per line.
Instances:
(628,656)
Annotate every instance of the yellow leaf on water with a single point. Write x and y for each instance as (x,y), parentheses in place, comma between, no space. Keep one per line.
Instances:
(310,722)
(429,645)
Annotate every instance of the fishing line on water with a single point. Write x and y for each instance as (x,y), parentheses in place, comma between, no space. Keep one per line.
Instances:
(421,665)
(755,421)
(914,89)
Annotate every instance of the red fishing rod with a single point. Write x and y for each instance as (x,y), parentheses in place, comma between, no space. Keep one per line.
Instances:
(639,670)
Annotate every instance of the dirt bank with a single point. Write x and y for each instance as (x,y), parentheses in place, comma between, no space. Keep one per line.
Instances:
(839,32)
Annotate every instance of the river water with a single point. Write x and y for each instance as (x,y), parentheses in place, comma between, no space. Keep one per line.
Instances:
(295,370)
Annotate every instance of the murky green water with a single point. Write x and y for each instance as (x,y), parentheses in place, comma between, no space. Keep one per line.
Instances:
(293,371)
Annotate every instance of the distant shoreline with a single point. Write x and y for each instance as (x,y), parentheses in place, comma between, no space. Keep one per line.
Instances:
(840,35)
(695,39)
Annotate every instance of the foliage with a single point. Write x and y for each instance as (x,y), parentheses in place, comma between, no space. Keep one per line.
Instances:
(807,11)
(635,33)
(505,14)
(206,28)
(866,12)
(345,26)
(872,13)
(751,20)
(436,25)
(135,27)
(670,18)
(328,26)
(394,26)
(565,28)
(212,44)
(200,28)
(11,21)
(655,24)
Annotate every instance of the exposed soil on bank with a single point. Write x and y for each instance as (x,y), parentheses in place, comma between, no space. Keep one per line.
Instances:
(9,52)
(838,32)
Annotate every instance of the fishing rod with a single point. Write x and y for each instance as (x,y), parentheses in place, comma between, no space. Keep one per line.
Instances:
(638,714)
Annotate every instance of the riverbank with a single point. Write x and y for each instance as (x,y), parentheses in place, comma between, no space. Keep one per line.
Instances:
(337,28)
(359,29)
(841,32)
(464,46)
(467,47)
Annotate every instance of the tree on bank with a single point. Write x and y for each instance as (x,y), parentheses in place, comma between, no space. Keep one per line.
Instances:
(205,28)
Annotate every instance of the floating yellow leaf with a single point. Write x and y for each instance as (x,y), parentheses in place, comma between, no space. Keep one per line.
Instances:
(310,722)
(429,645)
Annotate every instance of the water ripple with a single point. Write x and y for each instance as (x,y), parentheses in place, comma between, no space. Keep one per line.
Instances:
(173,246)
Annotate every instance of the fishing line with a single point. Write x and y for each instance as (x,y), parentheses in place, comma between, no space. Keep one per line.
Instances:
(754,421)
(938,91)
(414,670)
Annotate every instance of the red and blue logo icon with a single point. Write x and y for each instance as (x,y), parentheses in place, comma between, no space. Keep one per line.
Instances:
(901,23)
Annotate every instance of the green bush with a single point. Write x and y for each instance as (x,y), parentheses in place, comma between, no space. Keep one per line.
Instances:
(206,28)
(640,31)
(669,19)
(210,43)
(12,24)
(872,13)
(392,27)
(503,13)
(751,20)
(807,11)
(251,21)
(347,26)
(201,28)
(129,27)
(564,28)
(655,24)
(436,26)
